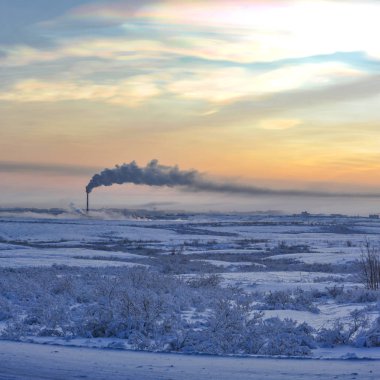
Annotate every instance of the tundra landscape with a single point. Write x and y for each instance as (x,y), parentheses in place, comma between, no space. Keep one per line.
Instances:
(189,190)
(244,285)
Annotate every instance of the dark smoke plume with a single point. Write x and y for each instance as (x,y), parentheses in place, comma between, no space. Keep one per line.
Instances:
(155,174)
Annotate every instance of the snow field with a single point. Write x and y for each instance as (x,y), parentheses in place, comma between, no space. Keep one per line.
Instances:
(235,279)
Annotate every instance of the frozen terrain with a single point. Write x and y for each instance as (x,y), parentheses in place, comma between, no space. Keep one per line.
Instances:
(28,361)
(236,284)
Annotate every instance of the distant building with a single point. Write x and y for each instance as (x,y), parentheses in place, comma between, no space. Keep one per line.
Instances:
(374,216)
(305,213)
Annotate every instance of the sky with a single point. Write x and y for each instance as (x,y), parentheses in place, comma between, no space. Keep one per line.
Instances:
(272,94)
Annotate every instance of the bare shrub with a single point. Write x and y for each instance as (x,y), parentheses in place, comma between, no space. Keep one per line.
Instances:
(370,266)
(335,290)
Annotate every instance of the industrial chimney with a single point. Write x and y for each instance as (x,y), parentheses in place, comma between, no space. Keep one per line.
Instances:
(87,205)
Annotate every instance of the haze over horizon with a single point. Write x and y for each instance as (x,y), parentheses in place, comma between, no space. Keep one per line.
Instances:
(270,94)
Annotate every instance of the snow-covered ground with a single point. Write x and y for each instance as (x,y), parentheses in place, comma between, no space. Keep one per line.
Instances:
(22,257)
(30,361)
(303,268)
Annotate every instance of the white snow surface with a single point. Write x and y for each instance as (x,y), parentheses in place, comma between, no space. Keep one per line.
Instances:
(109,239)
(32,361)
(29,257)
(226,264)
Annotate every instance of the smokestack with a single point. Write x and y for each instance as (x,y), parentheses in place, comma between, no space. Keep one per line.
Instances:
(87,206)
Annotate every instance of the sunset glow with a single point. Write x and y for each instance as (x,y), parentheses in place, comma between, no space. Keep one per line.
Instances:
(279,94)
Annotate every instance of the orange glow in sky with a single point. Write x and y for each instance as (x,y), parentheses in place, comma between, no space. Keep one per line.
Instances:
(278,94)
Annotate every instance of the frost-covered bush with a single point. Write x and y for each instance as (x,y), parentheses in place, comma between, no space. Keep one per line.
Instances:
(5,309)
(286,337)
(371,336)
(87,302)
(333,336)
(358,295)
(277,299)
(180,264)
(223,329)
(284,248)
(352,295)
(288,300)
(147,309)
(205,280)
(344,332)
(231,328)
(329,278)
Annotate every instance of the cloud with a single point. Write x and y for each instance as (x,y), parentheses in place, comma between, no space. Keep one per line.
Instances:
(116,48)
(246,31)
(117,10)
(278,124)
(276,30)
(56,169)
(220,86)
(130,92)
(228,84)
(239,31)
(305,98)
